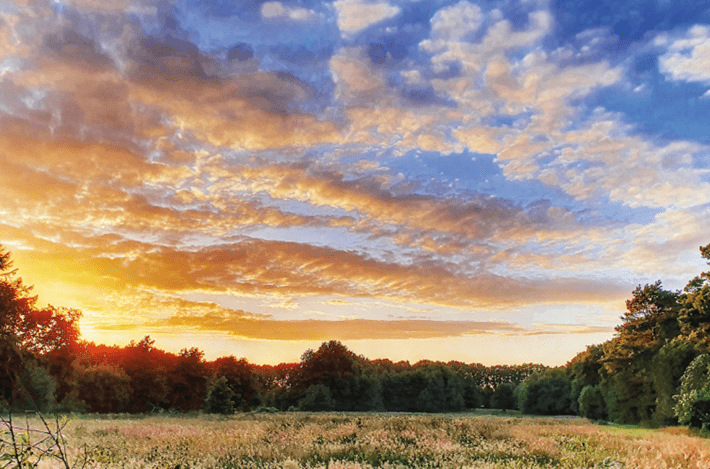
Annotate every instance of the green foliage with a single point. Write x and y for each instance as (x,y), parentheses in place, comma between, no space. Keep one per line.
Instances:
(585,370)
(650,322)
(72,403)
(317,398)
(104,388)
(430,388)
(37,390)
(504,397)
(692,401)
(695,313)
(12,364)
(240,379)
(629,396)
(666,372)
(282,398)
(220,397)
(472,394)
(591,403)
(548,393)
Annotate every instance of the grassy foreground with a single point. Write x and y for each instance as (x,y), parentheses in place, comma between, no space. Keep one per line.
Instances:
(352,441)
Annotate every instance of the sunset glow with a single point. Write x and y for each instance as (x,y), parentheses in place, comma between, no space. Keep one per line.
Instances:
(450,180)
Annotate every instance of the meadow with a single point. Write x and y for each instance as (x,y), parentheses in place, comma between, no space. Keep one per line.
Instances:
(354,441)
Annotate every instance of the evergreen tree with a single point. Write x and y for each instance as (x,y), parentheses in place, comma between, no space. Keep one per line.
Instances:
(220,397)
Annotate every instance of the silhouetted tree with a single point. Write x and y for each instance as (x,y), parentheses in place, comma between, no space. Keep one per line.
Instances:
(188,380)
(220,397)
(147,367)
(103,388)
(240,379)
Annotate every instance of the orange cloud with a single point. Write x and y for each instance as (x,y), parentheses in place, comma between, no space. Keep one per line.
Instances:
(353,329)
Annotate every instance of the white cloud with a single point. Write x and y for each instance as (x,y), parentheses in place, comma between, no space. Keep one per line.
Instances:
(356,15)
(499,39)
(276,10)
(688,59)
(455,22)
(352,74)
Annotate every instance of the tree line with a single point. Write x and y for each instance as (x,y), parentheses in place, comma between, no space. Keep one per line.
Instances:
(655,370)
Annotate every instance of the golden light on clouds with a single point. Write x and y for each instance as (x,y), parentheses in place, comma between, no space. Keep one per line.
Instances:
(279,175)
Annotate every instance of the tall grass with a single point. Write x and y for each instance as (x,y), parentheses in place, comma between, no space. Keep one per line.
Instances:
(354,441)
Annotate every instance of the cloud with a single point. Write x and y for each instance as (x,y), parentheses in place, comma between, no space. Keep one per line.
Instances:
(356,15)
(155,152)
(688,59)
(349,329)
(455,22)
(276,10)
(567,329)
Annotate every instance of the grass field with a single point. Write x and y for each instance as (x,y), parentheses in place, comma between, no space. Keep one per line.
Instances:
(351,441)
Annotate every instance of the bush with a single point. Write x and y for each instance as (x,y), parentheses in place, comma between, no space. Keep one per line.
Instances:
(220,397)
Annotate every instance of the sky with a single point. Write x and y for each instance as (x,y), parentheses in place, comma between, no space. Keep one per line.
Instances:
(484,182)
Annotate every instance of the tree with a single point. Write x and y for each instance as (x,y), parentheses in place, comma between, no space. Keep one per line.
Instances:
(48,330)
(12,364)
(188,380)
(666,371)
(240,379)
(650,322)
(330,363)
(104,388)
(695,313)
(504,397)
(335,367)
(547,393)
(317,398)
(693,399)
(26,331)
(472,394)
(38,390)
(15,299)
(147,367)
(591,403)
(220,397)
(585,369)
